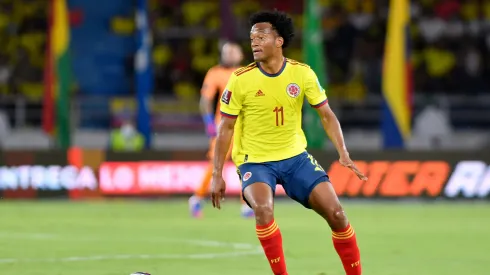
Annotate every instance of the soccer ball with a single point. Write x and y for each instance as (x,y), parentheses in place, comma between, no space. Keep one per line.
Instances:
(140,273)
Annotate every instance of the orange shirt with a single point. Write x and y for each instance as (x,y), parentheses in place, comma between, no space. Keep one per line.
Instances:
(215,82)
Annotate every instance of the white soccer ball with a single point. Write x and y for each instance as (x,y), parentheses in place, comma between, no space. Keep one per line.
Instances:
(140,273)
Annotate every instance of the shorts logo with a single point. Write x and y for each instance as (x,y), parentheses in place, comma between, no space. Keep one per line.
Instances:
(225,98)
(293,90)
(247,176)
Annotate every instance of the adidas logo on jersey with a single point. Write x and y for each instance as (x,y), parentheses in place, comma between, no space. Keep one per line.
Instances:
(259,93)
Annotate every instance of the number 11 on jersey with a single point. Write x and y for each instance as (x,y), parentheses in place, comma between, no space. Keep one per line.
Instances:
(278,110)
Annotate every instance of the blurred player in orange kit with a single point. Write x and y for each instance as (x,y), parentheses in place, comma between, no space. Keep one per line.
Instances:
(214,83)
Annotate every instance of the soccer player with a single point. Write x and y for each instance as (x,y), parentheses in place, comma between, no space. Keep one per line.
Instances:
(215,82)
(261,107)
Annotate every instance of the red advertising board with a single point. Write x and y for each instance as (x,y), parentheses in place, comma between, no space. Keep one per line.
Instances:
(162,177)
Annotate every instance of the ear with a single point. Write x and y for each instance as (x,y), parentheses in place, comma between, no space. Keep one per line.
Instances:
(279,42)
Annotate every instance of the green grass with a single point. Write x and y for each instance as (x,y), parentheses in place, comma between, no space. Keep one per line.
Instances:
(412,239)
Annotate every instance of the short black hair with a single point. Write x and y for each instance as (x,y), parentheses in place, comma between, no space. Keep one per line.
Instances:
(279,20)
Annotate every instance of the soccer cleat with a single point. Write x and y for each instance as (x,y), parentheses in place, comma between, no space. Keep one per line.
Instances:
(247,212)
(195,207)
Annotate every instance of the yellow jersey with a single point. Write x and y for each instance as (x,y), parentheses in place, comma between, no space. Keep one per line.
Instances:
(268,108)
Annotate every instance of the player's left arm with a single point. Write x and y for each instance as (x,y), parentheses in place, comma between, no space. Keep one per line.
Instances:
(332,127)
(317,98)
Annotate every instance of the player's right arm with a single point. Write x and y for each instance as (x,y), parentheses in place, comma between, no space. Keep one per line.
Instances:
(208,92)
(231,105)
(223,142)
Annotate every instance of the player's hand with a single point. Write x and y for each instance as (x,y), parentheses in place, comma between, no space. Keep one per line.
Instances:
(347,162)
(209,124)
(211,130)
(218,188)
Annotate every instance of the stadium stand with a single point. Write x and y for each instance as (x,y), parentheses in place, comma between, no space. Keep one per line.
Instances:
(450,59)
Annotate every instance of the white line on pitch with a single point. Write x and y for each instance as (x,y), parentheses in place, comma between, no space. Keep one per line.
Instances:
(206,243)
(246,249)
(35,236)
(210,243)
(141,256)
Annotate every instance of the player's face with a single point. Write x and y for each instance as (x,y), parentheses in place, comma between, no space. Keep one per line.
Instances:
(231,54)
(264,41)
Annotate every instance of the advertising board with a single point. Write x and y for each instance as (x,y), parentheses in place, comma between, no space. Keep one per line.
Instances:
(97,173)
(387,179)
(160,177)
(52,177)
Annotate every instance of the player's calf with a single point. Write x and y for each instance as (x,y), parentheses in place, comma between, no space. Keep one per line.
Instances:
(260,197)
(325,202)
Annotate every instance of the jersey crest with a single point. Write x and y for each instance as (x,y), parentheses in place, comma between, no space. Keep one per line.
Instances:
(293,90)
(247,176)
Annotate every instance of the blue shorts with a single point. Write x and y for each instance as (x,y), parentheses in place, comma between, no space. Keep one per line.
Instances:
(297,175)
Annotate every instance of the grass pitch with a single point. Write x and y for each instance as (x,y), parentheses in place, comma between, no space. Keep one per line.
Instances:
(121,237)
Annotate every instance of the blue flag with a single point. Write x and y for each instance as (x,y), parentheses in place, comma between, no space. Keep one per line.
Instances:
(143,70)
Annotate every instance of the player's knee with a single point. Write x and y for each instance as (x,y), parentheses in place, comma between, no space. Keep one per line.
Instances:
(337,218)
(339,214)
(264,213)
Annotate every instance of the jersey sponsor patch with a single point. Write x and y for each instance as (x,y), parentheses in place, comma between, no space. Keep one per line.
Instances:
(226,97)
(293,90)
(247,176)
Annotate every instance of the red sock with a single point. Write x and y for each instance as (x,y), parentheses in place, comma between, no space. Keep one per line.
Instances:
(345,244)
(271,240)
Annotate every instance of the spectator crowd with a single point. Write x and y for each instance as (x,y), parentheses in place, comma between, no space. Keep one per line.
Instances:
(450,42)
